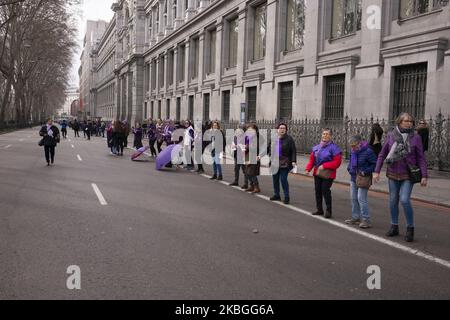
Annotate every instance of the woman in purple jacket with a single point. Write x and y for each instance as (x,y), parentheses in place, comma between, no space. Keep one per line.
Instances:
(403,148)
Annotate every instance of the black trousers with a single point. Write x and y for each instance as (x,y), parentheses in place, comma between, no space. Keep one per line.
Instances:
(323,191)
(237,169)
(77,133)
(152,147)
(49,153)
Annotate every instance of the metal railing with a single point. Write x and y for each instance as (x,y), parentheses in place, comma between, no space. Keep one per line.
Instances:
(307,133)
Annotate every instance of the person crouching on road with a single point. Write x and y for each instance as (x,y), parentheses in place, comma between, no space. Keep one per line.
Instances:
(403,152)
(287,160)
(360,168)
(50,134)
(325,159)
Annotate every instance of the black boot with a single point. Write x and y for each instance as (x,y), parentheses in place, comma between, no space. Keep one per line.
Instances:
(409,234)
(393,231)
(328,214)
(214,177)
(319,212)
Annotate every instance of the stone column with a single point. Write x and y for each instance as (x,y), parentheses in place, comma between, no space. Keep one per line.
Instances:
(186,64)
(201,55)
(218,57)
(161,20)
(203,5)
(175,68)
(166,68)
(309,96)
(169,26)
(179,19)
(241,56)
(158,65)
(190,10)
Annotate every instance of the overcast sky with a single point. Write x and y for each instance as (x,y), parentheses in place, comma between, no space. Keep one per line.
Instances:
(91,10)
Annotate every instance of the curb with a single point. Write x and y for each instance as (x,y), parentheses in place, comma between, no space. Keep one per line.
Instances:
(378,190)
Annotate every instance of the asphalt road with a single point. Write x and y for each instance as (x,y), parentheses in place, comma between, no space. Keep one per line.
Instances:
(177,235)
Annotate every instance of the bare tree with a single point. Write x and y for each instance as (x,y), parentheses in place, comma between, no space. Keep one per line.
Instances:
(37,42)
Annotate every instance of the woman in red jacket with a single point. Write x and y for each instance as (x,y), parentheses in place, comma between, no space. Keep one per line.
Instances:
(325,159)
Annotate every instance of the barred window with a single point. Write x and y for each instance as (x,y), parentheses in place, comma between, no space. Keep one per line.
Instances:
(295,30)
(411,8)
(346,17)
(233,43)
(259,44)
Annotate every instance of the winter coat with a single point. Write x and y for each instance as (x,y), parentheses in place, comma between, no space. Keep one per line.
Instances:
(330,157)
(50,141)
(400,168)
(367,161)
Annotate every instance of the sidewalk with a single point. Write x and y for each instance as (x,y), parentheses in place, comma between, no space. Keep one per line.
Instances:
(437,192)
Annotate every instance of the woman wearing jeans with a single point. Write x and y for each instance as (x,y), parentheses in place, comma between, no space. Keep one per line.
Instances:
(402,149)
(363,161)
(217,149)
(287,153)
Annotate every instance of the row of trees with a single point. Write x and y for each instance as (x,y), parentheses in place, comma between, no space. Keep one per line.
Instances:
(37,44)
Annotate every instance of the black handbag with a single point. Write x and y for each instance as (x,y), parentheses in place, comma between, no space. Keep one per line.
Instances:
(41,142)
(415,174)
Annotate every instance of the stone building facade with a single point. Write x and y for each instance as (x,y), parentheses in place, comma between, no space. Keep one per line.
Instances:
(86,72)
(272,59)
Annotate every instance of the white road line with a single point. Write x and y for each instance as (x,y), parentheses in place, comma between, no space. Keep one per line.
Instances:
(21,140)
(79,158)
(389,243)
(99,195)
(8,146)
(73,147)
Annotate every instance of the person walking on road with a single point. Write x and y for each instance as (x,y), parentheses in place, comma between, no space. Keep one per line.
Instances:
(76,128)
(64,129)
(88,130)
(287,160)
(159,135)
(151,133)
(325,159)
(50,138)
(137,144)
(403,152)
(360,168)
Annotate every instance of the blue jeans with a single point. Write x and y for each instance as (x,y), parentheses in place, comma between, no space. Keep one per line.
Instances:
(360,204)
(400,191)
(217,167)
(282,175)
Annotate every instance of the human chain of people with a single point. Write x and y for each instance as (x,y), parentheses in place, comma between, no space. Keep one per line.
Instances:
(185,145)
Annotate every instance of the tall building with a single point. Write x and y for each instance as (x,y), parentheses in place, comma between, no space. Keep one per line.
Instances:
(94,31)
(277,59)
(72,94)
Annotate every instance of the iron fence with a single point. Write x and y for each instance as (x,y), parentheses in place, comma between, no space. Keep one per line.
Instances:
(307,133)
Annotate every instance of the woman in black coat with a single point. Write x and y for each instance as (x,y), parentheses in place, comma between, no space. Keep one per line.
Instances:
(286,152)
(50,138)
(376,137)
